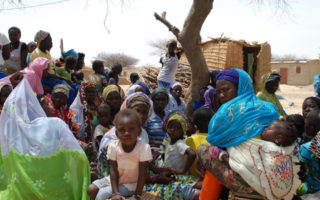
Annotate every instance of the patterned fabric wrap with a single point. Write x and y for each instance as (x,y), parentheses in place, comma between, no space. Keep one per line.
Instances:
(242,117)
(61,113)
(63,88)
(266,96)
(316,83)
(231,75)
(270,169)
(315,146)
(138,98)
(178,116)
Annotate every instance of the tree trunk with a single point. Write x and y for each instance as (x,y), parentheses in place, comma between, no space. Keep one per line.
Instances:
(190,40)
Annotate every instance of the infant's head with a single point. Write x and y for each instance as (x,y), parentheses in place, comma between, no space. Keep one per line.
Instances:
(280,132)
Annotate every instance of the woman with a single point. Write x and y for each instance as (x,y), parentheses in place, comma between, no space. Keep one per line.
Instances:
(241,117)
(111,96)
(83,110)
(269,85)
(58,100)
(38,153)
(18,52)
(160,99)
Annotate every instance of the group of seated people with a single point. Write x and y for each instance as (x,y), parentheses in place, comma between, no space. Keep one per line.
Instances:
(112,143)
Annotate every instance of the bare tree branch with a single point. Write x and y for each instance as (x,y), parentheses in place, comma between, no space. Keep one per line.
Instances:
(163,19)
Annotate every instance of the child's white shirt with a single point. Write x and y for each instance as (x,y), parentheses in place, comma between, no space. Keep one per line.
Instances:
(175,156)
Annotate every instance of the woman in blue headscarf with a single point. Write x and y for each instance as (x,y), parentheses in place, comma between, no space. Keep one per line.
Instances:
(316,85)
(240,117)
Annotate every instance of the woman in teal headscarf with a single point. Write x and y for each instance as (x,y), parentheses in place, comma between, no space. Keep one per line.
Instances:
(240,117)
(269,85)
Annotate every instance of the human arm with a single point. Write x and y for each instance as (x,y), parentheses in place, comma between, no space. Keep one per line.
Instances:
(141,179)
(114,177)
(24,53)
(6,51)
(16,78)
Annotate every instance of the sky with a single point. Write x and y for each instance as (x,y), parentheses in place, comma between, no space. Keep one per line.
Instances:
(294,30)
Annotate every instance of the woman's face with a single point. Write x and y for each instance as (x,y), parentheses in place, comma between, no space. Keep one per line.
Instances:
(5,92)
(143,112)
(308,106)
(59,99)
(226,91)
(272,86)
(160,101)
(114,100)
(176,91)
(47,43)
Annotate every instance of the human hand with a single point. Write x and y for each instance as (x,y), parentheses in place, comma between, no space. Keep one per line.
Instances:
(117,196)
(16,78)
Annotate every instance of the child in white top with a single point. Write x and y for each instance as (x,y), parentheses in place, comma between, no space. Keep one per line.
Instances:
(129,158)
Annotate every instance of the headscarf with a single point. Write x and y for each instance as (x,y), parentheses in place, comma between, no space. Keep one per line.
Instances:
(34,73)
(138,98)
(33,146)
(231,75)
(266,96)
(316,83)
(107,90)
(144,86)
(160,90)
(315,146)
(274,77)
(71,52)
(133,89)
(242,117)
(209,99)
(63,88)
(176,115)
(40,36)
(174,84)
(214,73)
(79,113)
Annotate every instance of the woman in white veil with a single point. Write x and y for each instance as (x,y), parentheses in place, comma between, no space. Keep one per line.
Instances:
(39,158)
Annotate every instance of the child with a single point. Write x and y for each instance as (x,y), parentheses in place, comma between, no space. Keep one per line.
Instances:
(198,103)
(114,73)
(309,104)
(98,77)
(201,119)
(65,72)
(309,155)
(175,100)
(129,158)
(5,91)
(298,121)
(104,118)
(134,77)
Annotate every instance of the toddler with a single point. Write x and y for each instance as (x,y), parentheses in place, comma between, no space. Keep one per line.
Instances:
(104,118)
(129,158)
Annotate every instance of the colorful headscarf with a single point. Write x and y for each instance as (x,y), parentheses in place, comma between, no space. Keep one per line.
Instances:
(316,83)
(107,90)
(40,36)
(231,75)
(176,115)
(160,90)
(71,52)
(315,146)
(63,88)
(266,96)
(209,99)
(242,117)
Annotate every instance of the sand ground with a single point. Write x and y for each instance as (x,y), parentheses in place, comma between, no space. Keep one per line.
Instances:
(294,96)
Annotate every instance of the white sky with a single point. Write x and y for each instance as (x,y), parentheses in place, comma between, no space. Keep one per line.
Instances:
(80,24)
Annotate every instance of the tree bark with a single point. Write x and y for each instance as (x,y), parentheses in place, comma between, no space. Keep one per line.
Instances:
(190,40)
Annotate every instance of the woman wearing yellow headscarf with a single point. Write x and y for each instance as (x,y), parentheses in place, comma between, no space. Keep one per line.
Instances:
(111,96)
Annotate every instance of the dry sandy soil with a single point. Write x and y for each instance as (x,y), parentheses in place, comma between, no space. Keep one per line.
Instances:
(294,96)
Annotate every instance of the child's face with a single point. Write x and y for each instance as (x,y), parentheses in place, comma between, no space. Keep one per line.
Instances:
(308,106)
(143,112)
(5,92)
(160,101)
(274,133)
(114,100)
(104,117)
(59,99)
(174,130)
(127,131)
(176,91)
(100,70)
(91,93)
